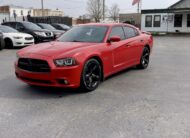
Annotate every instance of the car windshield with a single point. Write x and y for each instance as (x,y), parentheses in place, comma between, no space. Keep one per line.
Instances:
(6,29)
(31,26)
(65,26)
(92,34)
(47,26)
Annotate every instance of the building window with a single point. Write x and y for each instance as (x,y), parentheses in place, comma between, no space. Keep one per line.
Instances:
(188,20)
(148,21)
(178,20)
(157,20)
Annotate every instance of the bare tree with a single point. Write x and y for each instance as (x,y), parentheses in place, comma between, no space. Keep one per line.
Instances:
(114,12)
(95,9)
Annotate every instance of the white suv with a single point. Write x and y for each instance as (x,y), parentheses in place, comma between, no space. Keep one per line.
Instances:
(13,38)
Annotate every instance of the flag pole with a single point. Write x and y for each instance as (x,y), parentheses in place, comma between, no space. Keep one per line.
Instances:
(139,6)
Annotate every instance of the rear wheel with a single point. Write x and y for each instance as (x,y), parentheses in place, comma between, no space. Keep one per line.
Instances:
(144,59)
(8,43)
(91,75)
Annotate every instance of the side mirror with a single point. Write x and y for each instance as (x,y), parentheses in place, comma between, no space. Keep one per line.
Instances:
(114,39)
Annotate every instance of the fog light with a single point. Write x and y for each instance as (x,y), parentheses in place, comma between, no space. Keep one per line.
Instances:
(66,82)
(62,81)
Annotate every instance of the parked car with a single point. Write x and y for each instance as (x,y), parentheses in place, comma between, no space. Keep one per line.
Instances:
(61,26)
(84,56)
(13,38)
(49,27)
(1,41)
(39,34)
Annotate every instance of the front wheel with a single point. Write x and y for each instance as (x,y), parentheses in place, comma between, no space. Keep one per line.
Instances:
(144,59)
(91,75)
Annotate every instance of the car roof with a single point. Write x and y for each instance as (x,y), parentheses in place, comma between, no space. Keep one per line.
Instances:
(107,24)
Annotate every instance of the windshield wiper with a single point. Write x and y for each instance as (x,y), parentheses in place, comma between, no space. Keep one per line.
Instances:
(76,41)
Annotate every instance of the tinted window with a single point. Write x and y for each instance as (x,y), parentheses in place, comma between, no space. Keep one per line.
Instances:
(148,21)
(157,20)
(118,31)
(64,26)
(130,32)
(19,26)
(94,34)
(11,24)
(47,26)
(31,26)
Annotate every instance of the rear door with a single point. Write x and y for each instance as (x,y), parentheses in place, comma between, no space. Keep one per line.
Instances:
(134,44)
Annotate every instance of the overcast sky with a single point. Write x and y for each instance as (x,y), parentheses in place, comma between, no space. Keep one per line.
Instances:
(76,8)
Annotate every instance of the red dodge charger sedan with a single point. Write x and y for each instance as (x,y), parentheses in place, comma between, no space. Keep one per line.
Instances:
(84,56)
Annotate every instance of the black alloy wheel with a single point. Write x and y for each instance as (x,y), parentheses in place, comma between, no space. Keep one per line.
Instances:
(144,59)
(91,75)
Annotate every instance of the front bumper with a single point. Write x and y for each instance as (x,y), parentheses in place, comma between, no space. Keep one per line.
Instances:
(55,78)
(21,43)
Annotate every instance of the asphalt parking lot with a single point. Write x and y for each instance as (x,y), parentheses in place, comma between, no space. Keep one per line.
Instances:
(135,103)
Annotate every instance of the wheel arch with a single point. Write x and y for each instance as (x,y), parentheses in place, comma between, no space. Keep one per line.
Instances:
(147,45)
(97,57)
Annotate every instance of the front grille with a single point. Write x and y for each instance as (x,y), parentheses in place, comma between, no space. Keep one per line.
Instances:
(33,65)
(28,38)
(48,34)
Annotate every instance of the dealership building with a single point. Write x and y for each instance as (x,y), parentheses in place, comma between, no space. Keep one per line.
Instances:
(175,19)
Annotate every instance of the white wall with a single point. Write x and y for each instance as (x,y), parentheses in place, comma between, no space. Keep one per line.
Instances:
(165,26)
(18,11)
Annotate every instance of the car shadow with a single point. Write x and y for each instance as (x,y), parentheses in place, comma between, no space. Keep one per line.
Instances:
(122,72)
(20,90)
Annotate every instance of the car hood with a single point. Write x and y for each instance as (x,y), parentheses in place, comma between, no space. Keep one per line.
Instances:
(54,49)
(42,30)
(58,31)
(17,34)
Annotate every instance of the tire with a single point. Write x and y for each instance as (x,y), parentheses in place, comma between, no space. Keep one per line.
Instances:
(8,43)
(144,62)
(91,75)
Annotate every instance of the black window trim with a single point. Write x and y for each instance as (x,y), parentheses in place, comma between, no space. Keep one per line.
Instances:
(136,31)
(146,20)
(155,21)
(122,29)
(181,21)
(188,16)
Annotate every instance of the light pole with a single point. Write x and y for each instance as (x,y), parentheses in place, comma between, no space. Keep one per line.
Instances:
(42,3)
(103,9)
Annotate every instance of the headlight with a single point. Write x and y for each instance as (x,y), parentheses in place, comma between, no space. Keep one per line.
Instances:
(40,33)
(17,37)
(65,62)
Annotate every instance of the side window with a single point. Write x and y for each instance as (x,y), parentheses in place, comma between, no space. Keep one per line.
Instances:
(118,31)
(13,25)
(130,32)
(148,21)
(19,26)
